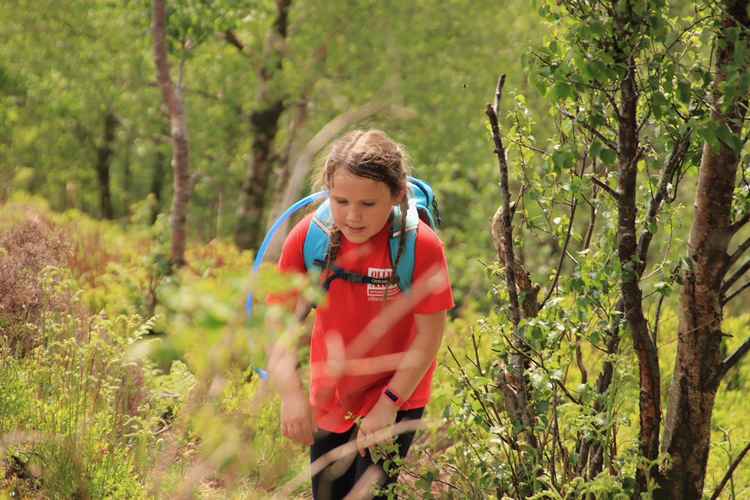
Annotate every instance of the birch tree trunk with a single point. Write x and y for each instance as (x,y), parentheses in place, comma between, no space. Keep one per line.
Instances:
(179,134)
(699,366)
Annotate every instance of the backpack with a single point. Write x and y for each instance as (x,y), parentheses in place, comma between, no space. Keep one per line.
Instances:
(422,206)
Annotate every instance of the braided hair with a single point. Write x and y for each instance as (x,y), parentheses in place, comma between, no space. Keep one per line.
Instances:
(401,247)
(373,155)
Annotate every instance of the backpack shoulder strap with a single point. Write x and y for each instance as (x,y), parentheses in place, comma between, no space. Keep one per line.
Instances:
(318,241)
(405,269)
(318,237)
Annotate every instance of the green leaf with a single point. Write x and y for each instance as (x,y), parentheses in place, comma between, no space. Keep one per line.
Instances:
(728,138)
(562,90)
(683,91)
(608,156)
(659,104)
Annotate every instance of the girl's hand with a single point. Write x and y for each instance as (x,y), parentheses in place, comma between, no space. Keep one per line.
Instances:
(374,428)
(296,417)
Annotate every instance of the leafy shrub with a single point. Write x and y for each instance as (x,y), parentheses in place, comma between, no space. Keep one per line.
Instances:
(26,249)
(83,404)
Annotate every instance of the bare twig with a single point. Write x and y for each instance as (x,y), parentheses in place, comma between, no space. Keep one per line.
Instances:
(232,39)
(514,205)
(562,254)
(732,360)
(476,354)
(736,276)
(521,396)
(505,195)
(479,397)
(739,223)
(533,361)
(580,363)
(606,187)
(741,249)
(670,170)
(730,471)
(592,217)
(609,143)
(735,294)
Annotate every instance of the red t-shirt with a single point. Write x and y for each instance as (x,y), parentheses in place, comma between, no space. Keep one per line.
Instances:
(345,324)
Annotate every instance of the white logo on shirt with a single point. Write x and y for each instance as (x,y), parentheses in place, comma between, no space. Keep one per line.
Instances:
(377,292)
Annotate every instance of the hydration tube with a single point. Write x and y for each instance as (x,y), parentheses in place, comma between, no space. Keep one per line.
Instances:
(308,200)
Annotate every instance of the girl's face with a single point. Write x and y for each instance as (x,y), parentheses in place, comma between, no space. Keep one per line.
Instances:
(360,206)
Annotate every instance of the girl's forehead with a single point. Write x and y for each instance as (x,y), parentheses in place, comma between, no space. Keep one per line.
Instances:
(346,184)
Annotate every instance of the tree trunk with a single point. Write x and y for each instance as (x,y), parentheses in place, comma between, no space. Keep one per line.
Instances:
(157,184)
(513,383)
(264,124)
(591,449)
(698,367)
(103,164)
(627,246)
(180,151)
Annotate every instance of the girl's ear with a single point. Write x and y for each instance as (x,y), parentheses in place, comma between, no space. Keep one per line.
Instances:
(400,197)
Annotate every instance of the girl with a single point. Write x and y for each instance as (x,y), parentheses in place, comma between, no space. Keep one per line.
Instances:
(373,345)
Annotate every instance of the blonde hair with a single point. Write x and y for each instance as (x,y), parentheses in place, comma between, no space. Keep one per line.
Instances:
(373,155)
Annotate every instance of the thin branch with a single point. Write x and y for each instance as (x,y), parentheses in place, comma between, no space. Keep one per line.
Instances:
(551,289)
(657,319)
(730,471)
(737,225)
(592,217)
(645,120)
(610,144)
(507,228)
(580,363)
(530,147)
(476,354)
(684,31)
(480,399)
(530,359)
(514,205)
(671,169)
(606,187)
(232,39)
(739,291)
(736,276)
(732,360)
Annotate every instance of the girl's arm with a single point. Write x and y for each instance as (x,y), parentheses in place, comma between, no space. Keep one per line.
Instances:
(413,366)
(296,414)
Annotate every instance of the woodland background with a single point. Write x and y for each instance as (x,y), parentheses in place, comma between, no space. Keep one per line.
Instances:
(140,171)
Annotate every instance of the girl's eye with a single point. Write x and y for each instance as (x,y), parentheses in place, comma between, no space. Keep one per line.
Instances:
(341,202)
(368,203)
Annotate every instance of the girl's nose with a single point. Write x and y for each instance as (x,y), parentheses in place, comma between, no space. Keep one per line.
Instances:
(353,215)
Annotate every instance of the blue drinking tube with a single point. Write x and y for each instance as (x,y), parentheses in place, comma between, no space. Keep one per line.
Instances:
(308,200)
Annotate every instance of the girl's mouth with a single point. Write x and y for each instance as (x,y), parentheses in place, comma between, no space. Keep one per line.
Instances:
(355,230)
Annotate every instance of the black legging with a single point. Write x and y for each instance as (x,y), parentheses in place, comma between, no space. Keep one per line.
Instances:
(333,484)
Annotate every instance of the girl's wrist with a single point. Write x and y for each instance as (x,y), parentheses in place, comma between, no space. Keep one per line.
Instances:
(392,397)
(293,392)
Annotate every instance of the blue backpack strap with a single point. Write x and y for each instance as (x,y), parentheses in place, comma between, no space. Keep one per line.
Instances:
(318,237)
(405,269)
